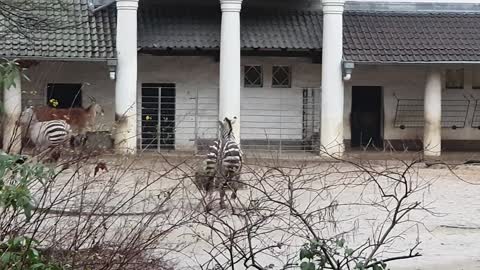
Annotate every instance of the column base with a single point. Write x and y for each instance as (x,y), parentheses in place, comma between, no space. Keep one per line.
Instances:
(432,153)
(334,151)
(125,138)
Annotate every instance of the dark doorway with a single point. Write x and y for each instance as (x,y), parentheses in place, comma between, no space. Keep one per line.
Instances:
(366,117)
(158,116)
(66,95)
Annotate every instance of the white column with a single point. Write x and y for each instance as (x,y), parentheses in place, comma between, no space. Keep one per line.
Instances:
(432,140)
(12,100)
(230,63)
(125,132)
(331,138)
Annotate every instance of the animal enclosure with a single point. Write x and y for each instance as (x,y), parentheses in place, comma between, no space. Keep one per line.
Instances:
(172,118)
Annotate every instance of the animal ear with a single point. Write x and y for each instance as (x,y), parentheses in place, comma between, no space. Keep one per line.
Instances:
(234,120)
(92,99)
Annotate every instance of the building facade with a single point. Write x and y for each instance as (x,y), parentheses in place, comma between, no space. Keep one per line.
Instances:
(321,76)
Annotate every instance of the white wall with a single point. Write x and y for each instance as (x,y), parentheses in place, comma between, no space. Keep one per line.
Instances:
(270,113)
(408,82)
(190,74)
(273,111)
(93,76)
(276,112)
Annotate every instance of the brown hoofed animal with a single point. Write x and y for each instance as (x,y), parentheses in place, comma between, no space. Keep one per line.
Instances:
(79,119)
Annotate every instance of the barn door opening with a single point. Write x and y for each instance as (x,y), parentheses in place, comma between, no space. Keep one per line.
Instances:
(366,116)
(158,116)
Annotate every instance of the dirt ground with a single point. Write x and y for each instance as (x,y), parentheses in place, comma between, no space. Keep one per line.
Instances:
(450,239)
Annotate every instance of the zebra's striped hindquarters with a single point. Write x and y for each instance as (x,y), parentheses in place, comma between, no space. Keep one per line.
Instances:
(49,133)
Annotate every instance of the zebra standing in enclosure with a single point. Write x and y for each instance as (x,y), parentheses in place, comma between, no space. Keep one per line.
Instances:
(223,164)
(46,134)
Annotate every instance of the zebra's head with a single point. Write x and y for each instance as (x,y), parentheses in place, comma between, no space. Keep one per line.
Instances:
(226,127)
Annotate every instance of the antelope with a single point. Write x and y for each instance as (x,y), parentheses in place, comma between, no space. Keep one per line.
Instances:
(81,120)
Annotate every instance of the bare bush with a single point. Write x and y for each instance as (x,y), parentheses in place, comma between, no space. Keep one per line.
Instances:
(83,218)
(88,212)
(337,215)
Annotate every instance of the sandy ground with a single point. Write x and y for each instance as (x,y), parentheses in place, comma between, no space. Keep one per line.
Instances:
(450,239)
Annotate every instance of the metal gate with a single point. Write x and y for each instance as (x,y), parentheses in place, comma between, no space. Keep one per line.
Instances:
(158,117)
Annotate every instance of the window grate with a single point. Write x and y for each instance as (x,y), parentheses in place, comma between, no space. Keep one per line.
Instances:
(253,76)
(410,113)
(281,77)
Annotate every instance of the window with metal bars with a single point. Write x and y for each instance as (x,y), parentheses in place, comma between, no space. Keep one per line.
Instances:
(281,77)
(253,76)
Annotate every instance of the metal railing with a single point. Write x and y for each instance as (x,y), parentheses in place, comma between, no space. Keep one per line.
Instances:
(410,113)
(280,119)
(476,115)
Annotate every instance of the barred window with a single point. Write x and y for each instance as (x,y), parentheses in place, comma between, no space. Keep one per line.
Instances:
(281,76)
(253,76)
(454,79)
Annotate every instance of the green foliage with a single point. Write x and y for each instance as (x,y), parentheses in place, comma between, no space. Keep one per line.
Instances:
(316,255)
(20,253)
(9,70)
(16,180)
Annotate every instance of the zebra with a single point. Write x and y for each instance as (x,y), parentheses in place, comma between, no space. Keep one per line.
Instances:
(45,134)
(223,164)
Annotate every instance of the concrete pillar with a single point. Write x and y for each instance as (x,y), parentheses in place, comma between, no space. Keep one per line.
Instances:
(12,100)
(432,140)
(331,137)
(125,132)
(230,63)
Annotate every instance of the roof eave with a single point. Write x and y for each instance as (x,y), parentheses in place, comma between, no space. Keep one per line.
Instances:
(416,62)
(63,59)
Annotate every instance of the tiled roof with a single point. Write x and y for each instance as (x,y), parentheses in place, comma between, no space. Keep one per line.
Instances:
(280,30)
(412,37)
(368,37)
(161,28)
(77,33)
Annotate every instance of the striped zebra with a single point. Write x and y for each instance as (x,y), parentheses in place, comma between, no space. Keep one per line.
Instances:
(46,134)
(223,164)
